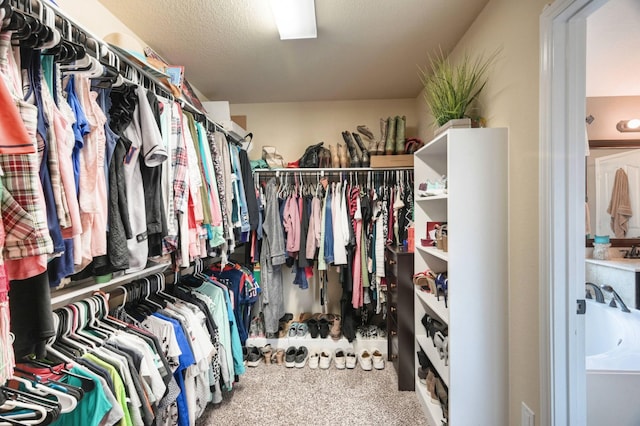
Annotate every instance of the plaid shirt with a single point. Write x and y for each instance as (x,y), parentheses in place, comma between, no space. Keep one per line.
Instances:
(179,201)
(23,214)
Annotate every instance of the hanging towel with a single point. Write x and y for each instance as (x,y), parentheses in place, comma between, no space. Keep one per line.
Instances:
(620,204)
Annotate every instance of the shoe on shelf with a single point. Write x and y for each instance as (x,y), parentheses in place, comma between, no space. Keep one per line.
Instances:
(254,356)
(293,329)
(313,326)
(365,360)
(325,359)
(340,359)
(378,360)
(324,325)
(364,130)
(314,360)
(302,329)
(290,357)
(431,385)
(422,375)
(302,354)
(351,360)
(336,330)
(266,353)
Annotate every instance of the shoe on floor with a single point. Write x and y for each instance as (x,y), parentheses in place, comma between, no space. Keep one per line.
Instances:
(253,356)
(340,359)
(266,353)
(301,356)
(351,360)
(378,360)
(365,360)
(279,354)
(290,357)
(245,355)
(325,359)
(314,360)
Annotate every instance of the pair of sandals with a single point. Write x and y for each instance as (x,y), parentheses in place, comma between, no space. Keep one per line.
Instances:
(426,280)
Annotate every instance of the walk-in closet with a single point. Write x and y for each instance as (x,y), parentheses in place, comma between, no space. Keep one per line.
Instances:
(210,218)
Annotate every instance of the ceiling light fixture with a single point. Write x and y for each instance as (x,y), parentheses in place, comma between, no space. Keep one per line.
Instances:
(632,125)
(295,18)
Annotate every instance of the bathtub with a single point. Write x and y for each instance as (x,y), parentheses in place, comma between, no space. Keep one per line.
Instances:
(612,347)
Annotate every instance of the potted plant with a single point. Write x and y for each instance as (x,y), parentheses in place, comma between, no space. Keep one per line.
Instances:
(449,89)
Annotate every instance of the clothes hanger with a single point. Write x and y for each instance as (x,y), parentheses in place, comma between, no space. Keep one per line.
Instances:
(51,407)
(19,418)
(67,402)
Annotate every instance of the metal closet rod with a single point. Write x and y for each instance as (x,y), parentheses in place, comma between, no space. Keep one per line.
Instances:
(22,5)
(332,171)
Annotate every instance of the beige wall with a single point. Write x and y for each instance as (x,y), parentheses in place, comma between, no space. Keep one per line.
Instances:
(510,99)
(292,126)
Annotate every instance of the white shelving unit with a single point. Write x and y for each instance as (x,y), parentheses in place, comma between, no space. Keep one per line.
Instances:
(475,209)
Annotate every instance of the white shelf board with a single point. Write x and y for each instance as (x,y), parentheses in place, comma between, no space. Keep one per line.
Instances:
(321,344)
(437,306)
(438,146)
(432,197)
(433,411)
(432,353)
(434,252)
(64,296)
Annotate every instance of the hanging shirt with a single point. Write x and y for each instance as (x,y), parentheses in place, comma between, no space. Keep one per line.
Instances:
(146,146)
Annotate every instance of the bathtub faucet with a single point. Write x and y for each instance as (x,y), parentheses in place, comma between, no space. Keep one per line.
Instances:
(615,297)
(596,290)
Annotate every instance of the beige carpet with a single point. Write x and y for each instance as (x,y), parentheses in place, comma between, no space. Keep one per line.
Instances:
(275,395)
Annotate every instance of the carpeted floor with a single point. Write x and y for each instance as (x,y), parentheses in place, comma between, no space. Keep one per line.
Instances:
(275,395)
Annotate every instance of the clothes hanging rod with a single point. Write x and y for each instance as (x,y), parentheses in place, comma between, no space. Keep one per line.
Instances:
(332,171)
(102,44)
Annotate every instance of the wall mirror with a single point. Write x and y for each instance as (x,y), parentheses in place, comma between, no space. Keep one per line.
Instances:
(605,157)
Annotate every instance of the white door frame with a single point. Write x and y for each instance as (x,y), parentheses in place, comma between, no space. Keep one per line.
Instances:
(561,209)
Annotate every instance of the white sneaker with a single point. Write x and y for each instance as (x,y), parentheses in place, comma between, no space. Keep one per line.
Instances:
(365,360)
(378,360)
(314,358)
(340,359)
(325,359)
(351,360)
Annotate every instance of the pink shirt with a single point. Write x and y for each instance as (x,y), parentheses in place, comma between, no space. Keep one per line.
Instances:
(292,224)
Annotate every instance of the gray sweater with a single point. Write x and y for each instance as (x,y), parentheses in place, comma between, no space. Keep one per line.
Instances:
(272,256)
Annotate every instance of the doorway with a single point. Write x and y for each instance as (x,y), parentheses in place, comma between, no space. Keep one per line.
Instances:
(562,195)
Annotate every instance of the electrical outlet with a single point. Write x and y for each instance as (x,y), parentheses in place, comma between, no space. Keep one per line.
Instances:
(528,418)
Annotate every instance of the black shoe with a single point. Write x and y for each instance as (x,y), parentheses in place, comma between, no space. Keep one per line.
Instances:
(313,326)
(356,160)
(365,153)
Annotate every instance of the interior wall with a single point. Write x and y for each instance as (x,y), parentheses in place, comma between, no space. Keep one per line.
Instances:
(292,126)
(607,111)
(510,99)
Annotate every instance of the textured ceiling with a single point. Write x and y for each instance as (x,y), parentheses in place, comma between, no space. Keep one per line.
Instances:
(366,49)
(613,62)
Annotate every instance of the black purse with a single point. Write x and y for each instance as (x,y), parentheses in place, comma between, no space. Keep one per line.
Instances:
(311,156)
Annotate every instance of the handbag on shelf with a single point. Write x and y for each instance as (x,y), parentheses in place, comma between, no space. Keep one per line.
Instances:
(442,242)
(272,157)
